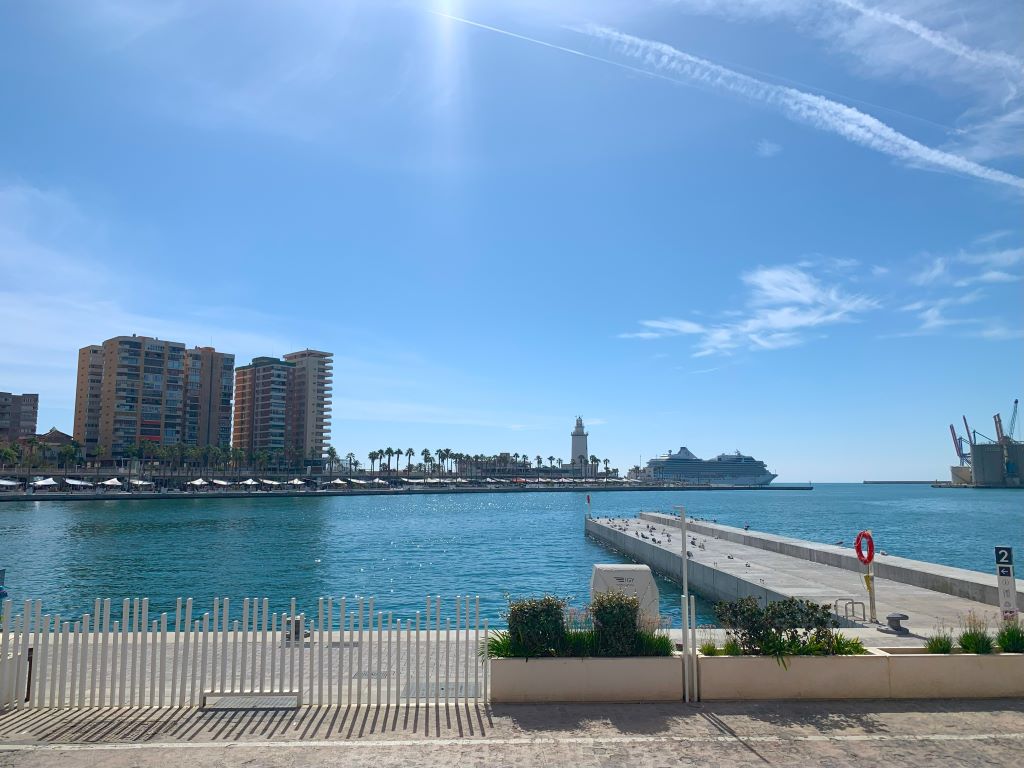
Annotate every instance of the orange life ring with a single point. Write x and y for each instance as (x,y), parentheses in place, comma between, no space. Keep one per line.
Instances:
(865,557)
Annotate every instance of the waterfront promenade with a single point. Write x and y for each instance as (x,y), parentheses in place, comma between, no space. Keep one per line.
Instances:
(401,490)
(962,733)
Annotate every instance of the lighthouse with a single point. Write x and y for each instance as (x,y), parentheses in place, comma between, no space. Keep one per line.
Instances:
(579,445)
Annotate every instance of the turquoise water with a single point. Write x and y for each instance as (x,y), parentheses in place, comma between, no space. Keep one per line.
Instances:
(399,548)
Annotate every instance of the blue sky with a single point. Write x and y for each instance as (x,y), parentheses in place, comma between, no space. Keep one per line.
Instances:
(788,227)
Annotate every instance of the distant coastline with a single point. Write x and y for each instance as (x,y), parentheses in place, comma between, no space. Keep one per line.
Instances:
(13,496)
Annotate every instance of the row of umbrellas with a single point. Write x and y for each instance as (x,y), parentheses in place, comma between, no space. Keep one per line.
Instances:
(49,482)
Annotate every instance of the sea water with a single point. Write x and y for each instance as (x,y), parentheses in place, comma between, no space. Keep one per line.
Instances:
(401,548)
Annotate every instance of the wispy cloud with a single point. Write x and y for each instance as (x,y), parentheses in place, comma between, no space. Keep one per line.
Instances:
(767,149)
(933,314)
(966,268)
(784,303)
(799,106)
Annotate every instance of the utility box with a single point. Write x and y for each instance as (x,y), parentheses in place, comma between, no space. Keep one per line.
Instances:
(630,580)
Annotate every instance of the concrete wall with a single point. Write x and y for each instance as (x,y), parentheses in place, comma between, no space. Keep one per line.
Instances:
(958,582)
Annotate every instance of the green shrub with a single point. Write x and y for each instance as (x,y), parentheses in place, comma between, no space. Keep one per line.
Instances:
(847,646)
(708,648)
(732,647)
(1011,637)
(581,643)
(783,628)
(974,636)
(654,644)
(536,626)
(615,623)
(940,642)
(498,646)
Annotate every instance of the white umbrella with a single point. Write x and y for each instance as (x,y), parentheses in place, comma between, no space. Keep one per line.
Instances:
(357,482)
(48,482)
(250,481)
(141,482)
(112,482)
(8,483)
(220,482)
(269,482)
(77,483)
(197,481)
(378,481)
(339,481)
(296,481)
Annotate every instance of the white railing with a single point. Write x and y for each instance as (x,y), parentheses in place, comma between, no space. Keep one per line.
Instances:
(347,653)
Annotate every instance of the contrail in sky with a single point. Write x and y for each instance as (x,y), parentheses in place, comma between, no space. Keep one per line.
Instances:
(940,40)
(667,63)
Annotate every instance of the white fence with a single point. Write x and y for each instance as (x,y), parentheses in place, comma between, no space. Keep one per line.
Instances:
(348,653)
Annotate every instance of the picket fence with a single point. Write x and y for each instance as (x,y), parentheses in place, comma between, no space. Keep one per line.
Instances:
(348,653)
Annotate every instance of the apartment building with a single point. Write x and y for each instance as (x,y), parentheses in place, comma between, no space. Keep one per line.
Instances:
(309,403)
(18,416)
(261,399)
(284,405)
(136,389)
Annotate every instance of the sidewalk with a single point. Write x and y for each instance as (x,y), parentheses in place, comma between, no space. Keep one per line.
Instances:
(982,733)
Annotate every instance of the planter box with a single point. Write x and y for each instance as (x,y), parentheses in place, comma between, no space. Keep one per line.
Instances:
(885,673)
(954,676)
(648,678)
(804,677)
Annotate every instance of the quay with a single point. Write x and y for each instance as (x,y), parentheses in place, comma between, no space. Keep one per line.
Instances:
(728,563)
(404,490)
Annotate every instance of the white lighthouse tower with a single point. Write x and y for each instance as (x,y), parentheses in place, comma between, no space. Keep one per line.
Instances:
(579,445)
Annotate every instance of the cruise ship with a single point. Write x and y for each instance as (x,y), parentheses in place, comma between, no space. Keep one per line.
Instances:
(724,469)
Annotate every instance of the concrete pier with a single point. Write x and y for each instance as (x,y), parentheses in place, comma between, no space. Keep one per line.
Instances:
(734,563)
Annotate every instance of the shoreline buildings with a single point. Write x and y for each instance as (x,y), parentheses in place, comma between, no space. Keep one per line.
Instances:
(284,405)
(133,390)
(18,416)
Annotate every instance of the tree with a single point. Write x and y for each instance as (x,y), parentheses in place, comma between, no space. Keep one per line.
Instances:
(551,461)
(594,461)
(409,453)
(427,459)
(350,458)
(606,463)
(332,458)
(539,463)
(372,456)
(389,452)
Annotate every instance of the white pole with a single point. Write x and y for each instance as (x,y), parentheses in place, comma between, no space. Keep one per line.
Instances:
(693,648)
(686,661)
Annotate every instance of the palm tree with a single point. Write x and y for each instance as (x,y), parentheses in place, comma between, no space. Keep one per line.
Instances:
(350,458)
(409,453)
(427,460)
(594,461)
(439,457)
(583,464)
(332,458)
(551,461)
(606,463)
(372,456)
(389,452)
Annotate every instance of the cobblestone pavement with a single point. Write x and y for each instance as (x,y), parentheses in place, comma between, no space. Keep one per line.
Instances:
(962,733)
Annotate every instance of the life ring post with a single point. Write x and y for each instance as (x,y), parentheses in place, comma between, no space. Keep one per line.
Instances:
(867,557)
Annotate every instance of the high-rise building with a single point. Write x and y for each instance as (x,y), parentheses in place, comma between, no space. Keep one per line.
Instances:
(579,444)
(261,397)
(209,384)
(135,389)
(87,398)
(309,404)
(284,405)
(18,416)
